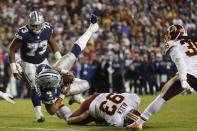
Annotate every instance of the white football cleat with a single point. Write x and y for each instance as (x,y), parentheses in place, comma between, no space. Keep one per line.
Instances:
(41,119)
(39,116)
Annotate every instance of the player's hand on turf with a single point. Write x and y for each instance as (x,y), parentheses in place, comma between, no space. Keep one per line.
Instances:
(65,89)
(18,75)
(8,98)
(185,85)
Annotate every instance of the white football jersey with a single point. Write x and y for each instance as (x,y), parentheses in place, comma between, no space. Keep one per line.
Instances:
(113,107)
(188,50)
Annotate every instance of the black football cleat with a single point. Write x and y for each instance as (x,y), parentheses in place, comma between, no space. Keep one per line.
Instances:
(93,19)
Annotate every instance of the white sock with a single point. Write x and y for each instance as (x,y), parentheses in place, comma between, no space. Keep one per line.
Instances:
(78,98)
(38,112)
(153,107)
(83,40)
(65,112)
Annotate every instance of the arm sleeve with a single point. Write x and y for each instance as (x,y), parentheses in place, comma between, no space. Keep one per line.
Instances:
(19,35)
(177,58)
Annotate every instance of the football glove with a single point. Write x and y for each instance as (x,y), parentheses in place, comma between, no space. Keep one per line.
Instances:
(7,97)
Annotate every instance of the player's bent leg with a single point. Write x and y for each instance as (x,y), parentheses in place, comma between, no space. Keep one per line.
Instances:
(30,70)
(66,61)
(78,86)
(37,105)
(64,112)
(170,89)
(76,99)
(192,81)
(82,115)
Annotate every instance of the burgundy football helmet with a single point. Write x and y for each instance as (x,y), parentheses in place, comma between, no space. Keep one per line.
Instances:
(132,116)
(176,31)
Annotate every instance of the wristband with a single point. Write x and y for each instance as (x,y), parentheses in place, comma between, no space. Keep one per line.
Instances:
(64,71)
(62,96)
(13,68)
(58,55)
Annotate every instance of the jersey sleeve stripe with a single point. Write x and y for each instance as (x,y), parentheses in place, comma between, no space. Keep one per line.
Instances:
(132,116)
(169,50)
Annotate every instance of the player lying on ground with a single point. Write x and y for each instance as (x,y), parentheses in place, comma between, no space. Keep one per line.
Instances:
(7,97)
(48,80)
(113,109)
(54,83)
(184,54)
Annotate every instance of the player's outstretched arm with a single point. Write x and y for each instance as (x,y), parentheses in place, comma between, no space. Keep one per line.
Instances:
(54,48)
(7,97)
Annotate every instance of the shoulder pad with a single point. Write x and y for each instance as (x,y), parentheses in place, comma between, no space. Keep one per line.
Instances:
(48,26)
(169,45)
(22,32)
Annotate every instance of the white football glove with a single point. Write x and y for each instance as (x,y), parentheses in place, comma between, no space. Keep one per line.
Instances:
(7,97)
(185,85)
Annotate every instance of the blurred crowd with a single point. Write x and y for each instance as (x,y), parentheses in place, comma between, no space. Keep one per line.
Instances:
(124,56)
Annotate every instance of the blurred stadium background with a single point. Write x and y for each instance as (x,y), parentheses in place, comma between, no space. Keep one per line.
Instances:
(124,56)
(126,53)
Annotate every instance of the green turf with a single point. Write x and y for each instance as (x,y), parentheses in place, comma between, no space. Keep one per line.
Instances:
(179,114)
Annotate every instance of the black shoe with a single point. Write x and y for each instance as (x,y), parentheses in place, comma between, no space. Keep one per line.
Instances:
(71,100)
(41,119)
(93,19)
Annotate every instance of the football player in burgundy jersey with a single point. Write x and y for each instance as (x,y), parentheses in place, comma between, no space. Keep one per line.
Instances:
(110,108)
(183,52)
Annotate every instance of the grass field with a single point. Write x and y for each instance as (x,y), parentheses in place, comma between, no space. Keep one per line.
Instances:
(179,114)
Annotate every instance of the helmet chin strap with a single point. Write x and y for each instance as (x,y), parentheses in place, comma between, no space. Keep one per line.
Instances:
(177,36)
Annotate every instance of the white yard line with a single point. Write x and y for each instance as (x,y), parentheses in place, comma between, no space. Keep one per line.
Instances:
(43,129)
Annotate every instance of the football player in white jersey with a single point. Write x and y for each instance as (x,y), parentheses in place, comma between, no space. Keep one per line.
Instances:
(184,54)
(7,97)
(113,109)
